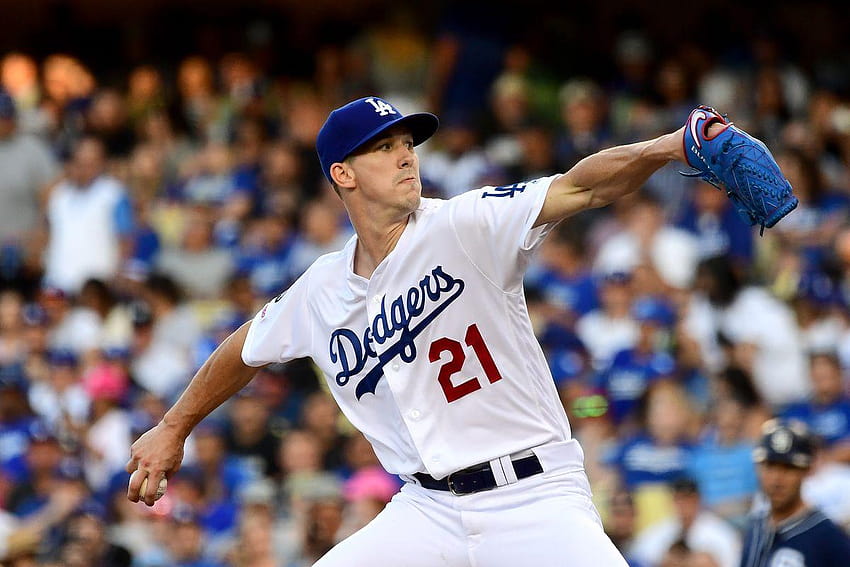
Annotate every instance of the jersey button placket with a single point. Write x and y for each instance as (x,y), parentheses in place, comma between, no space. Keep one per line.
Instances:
(373,306)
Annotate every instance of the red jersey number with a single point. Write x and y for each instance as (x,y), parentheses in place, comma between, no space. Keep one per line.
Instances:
(457,356)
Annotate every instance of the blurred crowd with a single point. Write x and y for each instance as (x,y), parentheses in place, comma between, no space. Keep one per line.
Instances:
(142,222)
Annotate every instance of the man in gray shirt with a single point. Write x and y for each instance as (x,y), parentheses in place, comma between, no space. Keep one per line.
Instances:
(28,170)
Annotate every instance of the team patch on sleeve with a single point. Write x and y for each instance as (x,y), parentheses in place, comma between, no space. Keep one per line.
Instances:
(509,191)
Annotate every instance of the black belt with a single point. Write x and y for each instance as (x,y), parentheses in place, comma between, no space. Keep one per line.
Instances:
(478,478)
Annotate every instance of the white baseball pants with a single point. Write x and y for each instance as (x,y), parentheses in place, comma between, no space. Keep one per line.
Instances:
(547,520)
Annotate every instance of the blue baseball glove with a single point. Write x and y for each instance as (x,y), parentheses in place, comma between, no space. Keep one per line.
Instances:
(742,166)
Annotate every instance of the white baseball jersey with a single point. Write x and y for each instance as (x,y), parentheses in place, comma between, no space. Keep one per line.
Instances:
(433,358)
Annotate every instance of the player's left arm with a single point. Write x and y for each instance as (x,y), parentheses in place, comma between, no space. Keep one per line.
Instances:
(603,177)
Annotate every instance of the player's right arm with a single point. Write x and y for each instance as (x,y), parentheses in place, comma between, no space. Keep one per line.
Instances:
(279,332)
(159,452)
(603,177)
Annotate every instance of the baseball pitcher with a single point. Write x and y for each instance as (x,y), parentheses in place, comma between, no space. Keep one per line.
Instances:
(421,330)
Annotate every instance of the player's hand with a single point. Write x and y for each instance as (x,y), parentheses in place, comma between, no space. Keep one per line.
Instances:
(155,455)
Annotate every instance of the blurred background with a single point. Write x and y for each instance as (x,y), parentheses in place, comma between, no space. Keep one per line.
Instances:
(160,184)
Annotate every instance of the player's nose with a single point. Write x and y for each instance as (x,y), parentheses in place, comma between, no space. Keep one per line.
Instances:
(407,159)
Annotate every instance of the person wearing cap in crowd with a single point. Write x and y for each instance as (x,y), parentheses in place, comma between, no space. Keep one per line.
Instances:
(166,330)
(29,169)
(262,536)
(72,327)
(317,510)
(64,492)
(632,370)
(33,470)
(61,400)
(788,532)
(611,327)
(383,318)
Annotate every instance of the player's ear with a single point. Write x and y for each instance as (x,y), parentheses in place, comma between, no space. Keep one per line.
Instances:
(343,175)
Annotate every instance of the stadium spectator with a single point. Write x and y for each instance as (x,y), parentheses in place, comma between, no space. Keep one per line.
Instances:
(90,218)
(700,529)
(30,170)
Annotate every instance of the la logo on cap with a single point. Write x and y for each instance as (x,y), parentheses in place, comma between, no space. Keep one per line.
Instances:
(382,107)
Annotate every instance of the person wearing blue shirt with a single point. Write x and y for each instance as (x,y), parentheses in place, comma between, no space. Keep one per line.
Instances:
(661,452)
(265,257)
(563,276)
(719,230)
(722,463)
(827,412)
(632,370)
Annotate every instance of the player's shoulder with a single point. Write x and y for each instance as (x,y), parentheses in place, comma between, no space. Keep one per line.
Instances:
(813,523)
(500,193)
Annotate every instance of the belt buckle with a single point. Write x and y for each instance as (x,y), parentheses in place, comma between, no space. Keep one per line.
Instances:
(451,484)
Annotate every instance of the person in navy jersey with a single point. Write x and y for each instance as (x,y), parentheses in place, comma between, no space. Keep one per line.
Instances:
(827,412)
(787,532)
(632,370)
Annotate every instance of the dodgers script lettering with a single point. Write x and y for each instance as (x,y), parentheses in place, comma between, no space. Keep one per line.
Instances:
(400,320)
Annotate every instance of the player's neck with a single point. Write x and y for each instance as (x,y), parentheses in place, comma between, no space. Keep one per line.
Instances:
(374,243)
(778,516)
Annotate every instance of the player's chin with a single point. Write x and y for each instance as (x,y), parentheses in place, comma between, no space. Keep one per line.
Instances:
(413,191)
(414,201)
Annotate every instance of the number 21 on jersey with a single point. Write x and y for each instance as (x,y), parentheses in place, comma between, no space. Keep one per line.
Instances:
(455,360)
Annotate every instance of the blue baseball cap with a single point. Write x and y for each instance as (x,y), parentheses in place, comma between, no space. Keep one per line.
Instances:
(350,126)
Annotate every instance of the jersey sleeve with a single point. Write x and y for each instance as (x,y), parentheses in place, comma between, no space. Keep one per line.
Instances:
(494,226)
(282,329)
